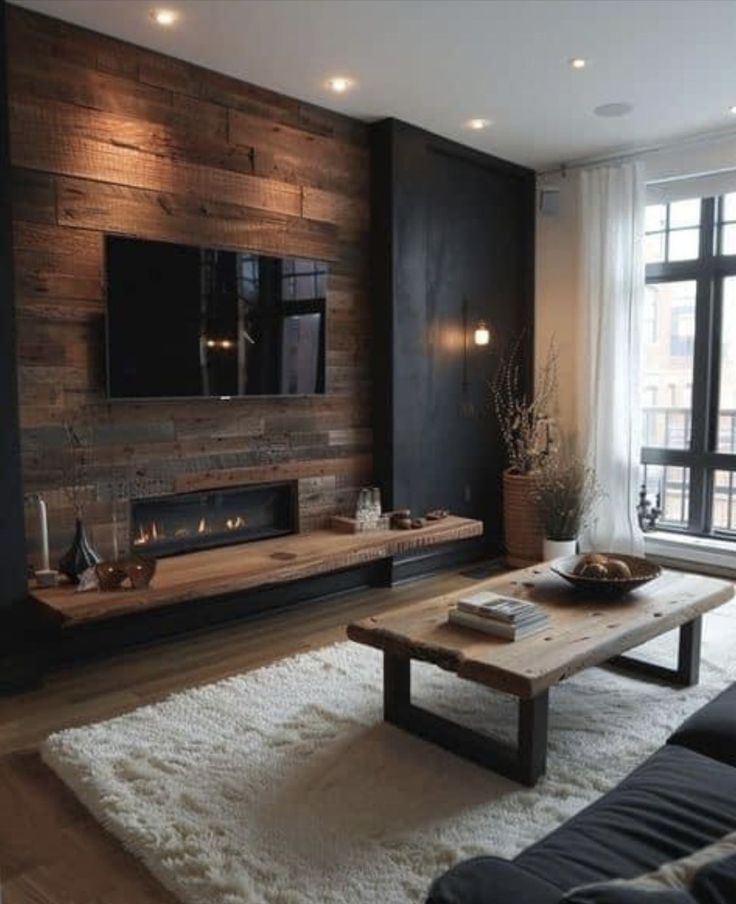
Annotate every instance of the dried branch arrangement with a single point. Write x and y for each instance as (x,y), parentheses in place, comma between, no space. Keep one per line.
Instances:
(79,457)
(565,492)
(524,422)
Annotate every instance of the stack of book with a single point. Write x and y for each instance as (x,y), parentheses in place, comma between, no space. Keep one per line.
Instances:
(498,615)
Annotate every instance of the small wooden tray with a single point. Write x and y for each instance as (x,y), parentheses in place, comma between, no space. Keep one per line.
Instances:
(344,525)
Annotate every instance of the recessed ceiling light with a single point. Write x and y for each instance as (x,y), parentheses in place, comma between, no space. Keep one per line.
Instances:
(340,84)
(478,124)
(578,62)
(612,110)
(164,17)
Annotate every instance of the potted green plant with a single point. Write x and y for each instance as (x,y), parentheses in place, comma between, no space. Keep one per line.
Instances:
(565,493)
(524,422)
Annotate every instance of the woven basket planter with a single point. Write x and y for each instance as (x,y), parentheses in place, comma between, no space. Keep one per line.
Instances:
(523,532)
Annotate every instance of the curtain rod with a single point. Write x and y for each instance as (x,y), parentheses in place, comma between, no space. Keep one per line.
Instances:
(633,153)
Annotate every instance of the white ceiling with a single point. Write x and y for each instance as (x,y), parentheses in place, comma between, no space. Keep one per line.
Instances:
(435,63)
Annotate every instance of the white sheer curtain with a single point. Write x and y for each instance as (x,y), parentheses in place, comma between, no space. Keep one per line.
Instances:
(612,287)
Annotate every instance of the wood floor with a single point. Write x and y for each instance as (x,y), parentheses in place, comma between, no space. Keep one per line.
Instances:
(51,850)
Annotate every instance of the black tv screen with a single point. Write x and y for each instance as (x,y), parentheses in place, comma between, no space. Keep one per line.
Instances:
(189,321)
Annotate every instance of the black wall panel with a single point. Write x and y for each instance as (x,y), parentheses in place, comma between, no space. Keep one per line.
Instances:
(453,244)
(12,539)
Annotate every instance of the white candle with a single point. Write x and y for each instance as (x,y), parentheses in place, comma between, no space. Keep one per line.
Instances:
(44,522)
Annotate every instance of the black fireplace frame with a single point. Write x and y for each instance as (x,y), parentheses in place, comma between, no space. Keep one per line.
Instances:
(198,543)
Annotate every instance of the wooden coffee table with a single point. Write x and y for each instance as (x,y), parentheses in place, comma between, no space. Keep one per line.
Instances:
(583,632)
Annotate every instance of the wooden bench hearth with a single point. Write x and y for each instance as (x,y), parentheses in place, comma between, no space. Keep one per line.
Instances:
(247,566)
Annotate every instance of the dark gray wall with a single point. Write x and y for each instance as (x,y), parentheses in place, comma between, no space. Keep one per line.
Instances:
(12,539)
(450,224)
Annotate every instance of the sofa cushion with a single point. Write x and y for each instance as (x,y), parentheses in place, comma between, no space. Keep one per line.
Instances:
(490,880)
(675,803)
(712,729)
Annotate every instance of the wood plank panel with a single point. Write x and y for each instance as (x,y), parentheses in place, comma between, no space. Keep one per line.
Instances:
(73,141)
(33,196)
(293,155)
(260,102)
(290,470)
(170,217)
(189,131)
(112,138)
(54,264)
(35,74)
(350,213)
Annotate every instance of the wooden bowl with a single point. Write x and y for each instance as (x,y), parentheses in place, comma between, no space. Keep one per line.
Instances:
(642,571)
(110,575)
(140,570)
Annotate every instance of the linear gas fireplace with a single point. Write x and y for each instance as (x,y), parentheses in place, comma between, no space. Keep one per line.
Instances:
(167,525)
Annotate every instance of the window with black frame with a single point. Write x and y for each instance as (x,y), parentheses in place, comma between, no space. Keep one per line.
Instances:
(688,362)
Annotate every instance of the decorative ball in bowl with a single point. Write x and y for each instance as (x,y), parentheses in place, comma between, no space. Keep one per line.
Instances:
(606,573)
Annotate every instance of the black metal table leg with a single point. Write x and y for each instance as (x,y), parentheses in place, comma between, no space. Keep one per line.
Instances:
(687,673)
(524,763)
(532,743)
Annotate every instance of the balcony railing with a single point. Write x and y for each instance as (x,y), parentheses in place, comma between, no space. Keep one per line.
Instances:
(669,428)
(666,428)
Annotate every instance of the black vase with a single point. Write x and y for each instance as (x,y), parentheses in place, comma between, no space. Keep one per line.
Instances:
(80,556)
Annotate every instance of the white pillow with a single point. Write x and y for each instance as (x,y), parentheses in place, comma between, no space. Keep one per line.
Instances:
(677,873)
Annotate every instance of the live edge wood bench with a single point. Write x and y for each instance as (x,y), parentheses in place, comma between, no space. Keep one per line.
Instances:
(245,567)
(583,632)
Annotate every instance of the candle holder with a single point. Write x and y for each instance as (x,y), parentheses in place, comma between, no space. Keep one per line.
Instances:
(46,577)
(137,570)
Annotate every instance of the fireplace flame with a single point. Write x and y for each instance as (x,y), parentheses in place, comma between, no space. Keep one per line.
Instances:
(154,532)
(145,536)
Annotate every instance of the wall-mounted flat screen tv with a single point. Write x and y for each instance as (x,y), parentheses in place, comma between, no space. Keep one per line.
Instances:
(190,321)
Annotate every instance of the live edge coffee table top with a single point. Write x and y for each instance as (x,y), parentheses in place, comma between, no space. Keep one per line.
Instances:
(583,632)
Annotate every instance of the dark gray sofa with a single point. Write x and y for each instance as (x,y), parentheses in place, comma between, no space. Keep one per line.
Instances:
(678,801)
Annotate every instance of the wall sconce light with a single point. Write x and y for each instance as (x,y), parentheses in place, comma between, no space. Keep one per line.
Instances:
(482,335)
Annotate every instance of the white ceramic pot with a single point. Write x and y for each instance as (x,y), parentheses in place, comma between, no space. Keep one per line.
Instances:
(558,549)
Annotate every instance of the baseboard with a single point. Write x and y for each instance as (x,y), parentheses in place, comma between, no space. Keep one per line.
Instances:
(438,558)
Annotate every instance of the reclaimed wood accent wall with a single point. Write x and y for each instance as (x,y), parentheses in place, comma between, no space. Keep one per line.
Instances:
(107,137)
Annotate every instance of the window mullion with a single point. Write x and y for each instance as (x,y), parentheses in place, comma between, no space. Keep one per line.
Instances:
(712,212)
(705,337)
(702,370)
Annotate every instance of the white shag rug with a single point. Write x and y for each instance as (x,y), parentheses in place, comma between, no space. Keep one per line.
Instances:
(283,786)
